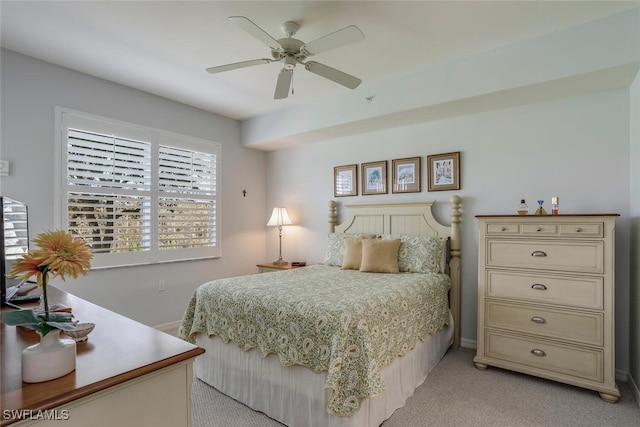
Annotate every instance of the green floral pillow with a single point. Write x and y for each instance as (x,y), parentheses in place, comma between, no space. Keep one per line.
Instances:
(335,246)
(420,254)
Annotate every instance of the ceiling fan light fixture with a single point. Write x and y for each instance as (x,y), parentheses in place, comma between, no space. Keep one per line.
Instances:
(289,62)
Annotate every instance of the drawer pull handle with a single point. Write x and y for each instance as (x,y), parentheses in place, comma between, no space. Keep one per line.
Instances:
(578,229)
(538,352)
(536,319)
(503,229)
(538,229)
(539,287)
(539,254)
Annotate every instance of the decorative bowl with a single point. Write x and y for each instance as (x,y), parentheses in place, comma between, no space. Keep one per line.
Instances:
(81,333)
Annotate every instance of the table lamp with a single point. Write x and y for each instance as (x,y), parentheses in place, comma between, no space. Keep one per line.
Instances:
(279,217)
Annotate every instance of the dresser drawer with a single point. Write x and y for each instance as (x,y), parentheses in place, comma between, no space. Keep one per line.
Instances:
(580,327)
(506,228)
(595,229)
(577,291)
(544,228)
(539,229)
(575,256)
(567,360)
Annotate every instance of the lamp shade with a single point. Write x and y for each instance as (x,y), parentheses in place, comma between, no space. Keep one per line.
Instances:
(279,217)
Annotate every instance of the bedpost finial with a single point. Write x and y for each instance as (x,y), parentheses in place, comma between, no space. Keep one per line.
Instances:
(455,208)
(333,215)
(455,225)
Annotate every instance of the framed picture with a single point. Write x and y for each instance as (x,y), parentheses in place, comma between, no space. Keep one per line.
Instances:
(374,178)
(406,175)
(444,171)
(345,180)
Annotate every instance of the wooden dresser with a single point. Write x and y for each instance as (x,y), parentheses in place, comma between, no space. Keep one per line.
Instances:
(126,374)
(546,298)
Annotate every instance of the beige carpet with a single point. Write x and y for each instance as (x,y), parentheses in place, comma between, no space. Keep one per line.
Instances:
(458,394)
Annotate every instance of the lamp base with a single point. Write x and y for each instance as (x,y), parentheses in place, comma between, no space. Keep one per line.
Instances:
(280,262)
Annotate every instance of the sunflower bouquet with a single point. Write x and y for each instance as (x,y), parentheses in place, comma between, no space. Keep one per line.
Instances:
(58,254)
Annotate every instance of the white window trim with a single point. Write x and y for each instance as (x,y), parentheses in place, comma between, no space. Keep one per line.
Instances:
(65,117)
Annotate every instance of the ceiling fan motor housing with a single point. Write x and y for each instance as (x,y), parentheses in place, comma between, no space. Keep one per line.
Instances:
(290,48)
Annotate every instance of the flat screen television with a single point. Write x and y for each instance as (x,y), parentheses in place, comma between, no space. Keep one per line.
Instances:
(14,239)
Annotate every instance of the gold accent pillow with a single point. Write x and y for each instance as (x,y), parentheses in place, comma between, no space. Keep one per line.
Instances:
(335,246)
(352,254)
(380,256)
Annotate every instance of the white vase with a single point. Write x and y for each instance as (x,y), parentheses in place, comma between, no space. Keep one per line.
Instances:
(51,358)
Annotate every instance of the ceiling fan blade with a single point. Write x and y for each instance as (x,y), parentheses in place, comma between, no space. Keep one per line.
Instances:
(283,84)
(236,65)
(332,74)
(250,27)
(343,37)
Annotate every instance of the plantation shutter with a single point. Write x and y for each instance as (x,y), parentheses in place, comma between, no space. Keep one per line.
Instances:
(137,195)
(109,191)
(186,202)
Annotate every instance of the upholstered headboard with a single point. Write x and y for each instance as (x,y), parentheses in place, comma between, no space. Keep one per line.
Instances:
(411,218)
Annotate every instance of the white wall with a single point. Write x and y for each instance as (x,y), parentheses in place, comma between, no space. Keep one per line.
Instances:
(30,91)
(575,148)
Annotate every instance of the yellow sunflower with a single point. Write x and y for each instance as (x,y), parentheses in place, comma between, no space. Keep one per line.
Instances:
(27,266)
(59,253)
(63,254)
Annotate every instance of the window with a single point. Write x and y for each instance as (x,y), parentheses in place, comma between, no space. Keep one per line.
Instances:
(137,195)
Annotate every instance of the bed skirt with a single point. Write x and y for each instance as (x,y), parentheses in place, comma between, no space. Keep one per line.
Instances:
(295,395)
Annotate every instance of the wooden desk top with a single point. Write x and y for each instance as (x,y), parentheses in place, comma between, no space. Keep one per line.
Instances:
(118,350)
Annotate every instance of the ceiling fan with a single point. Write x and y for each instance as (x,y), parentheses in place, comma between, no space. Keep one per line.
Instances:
(292,51)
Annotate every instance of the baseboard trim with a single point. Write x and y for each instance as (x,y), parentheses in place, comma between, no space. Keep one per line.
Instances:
(622,375)
(466,343)
(170,328)
(634,388)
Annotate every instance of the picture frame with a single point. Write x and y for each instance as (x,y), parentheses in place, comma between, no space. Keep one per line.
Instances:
(374,178)
(444,171)
(345,180)
(406,175)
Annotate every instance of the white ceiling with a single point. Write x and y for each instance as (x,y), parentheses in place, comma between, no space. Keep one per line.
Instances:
(163,47)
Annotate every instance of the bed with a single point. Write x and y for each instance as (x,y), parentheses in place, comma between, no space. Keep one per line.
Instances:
(327,362)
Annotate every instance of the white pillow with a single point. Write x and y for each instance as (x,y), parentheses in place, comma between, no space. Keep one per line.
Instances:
(420,254)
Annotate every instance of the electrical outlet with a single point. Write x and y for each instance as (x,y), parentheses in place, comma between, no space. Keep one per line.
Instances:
(4,167)
(161,286)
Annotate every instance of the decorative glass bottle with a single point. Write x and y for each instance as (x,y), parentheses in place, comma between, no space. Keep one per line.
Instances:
(555,206)
(540,210)
(523,209)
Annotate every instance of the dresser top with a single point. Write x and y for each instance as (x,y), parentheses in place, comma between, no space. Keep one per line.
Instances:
(546,216)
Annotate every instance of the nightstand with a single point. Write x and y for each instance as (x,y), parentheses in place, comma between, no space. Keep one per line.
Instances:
(270,267)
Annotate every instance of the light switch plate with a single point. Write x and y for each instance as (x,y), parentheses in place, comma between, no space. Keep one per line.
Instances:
(4,167)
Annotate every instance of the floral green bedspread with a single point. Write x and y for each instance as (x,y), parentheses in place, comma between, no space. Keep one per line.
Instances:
(346,322)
